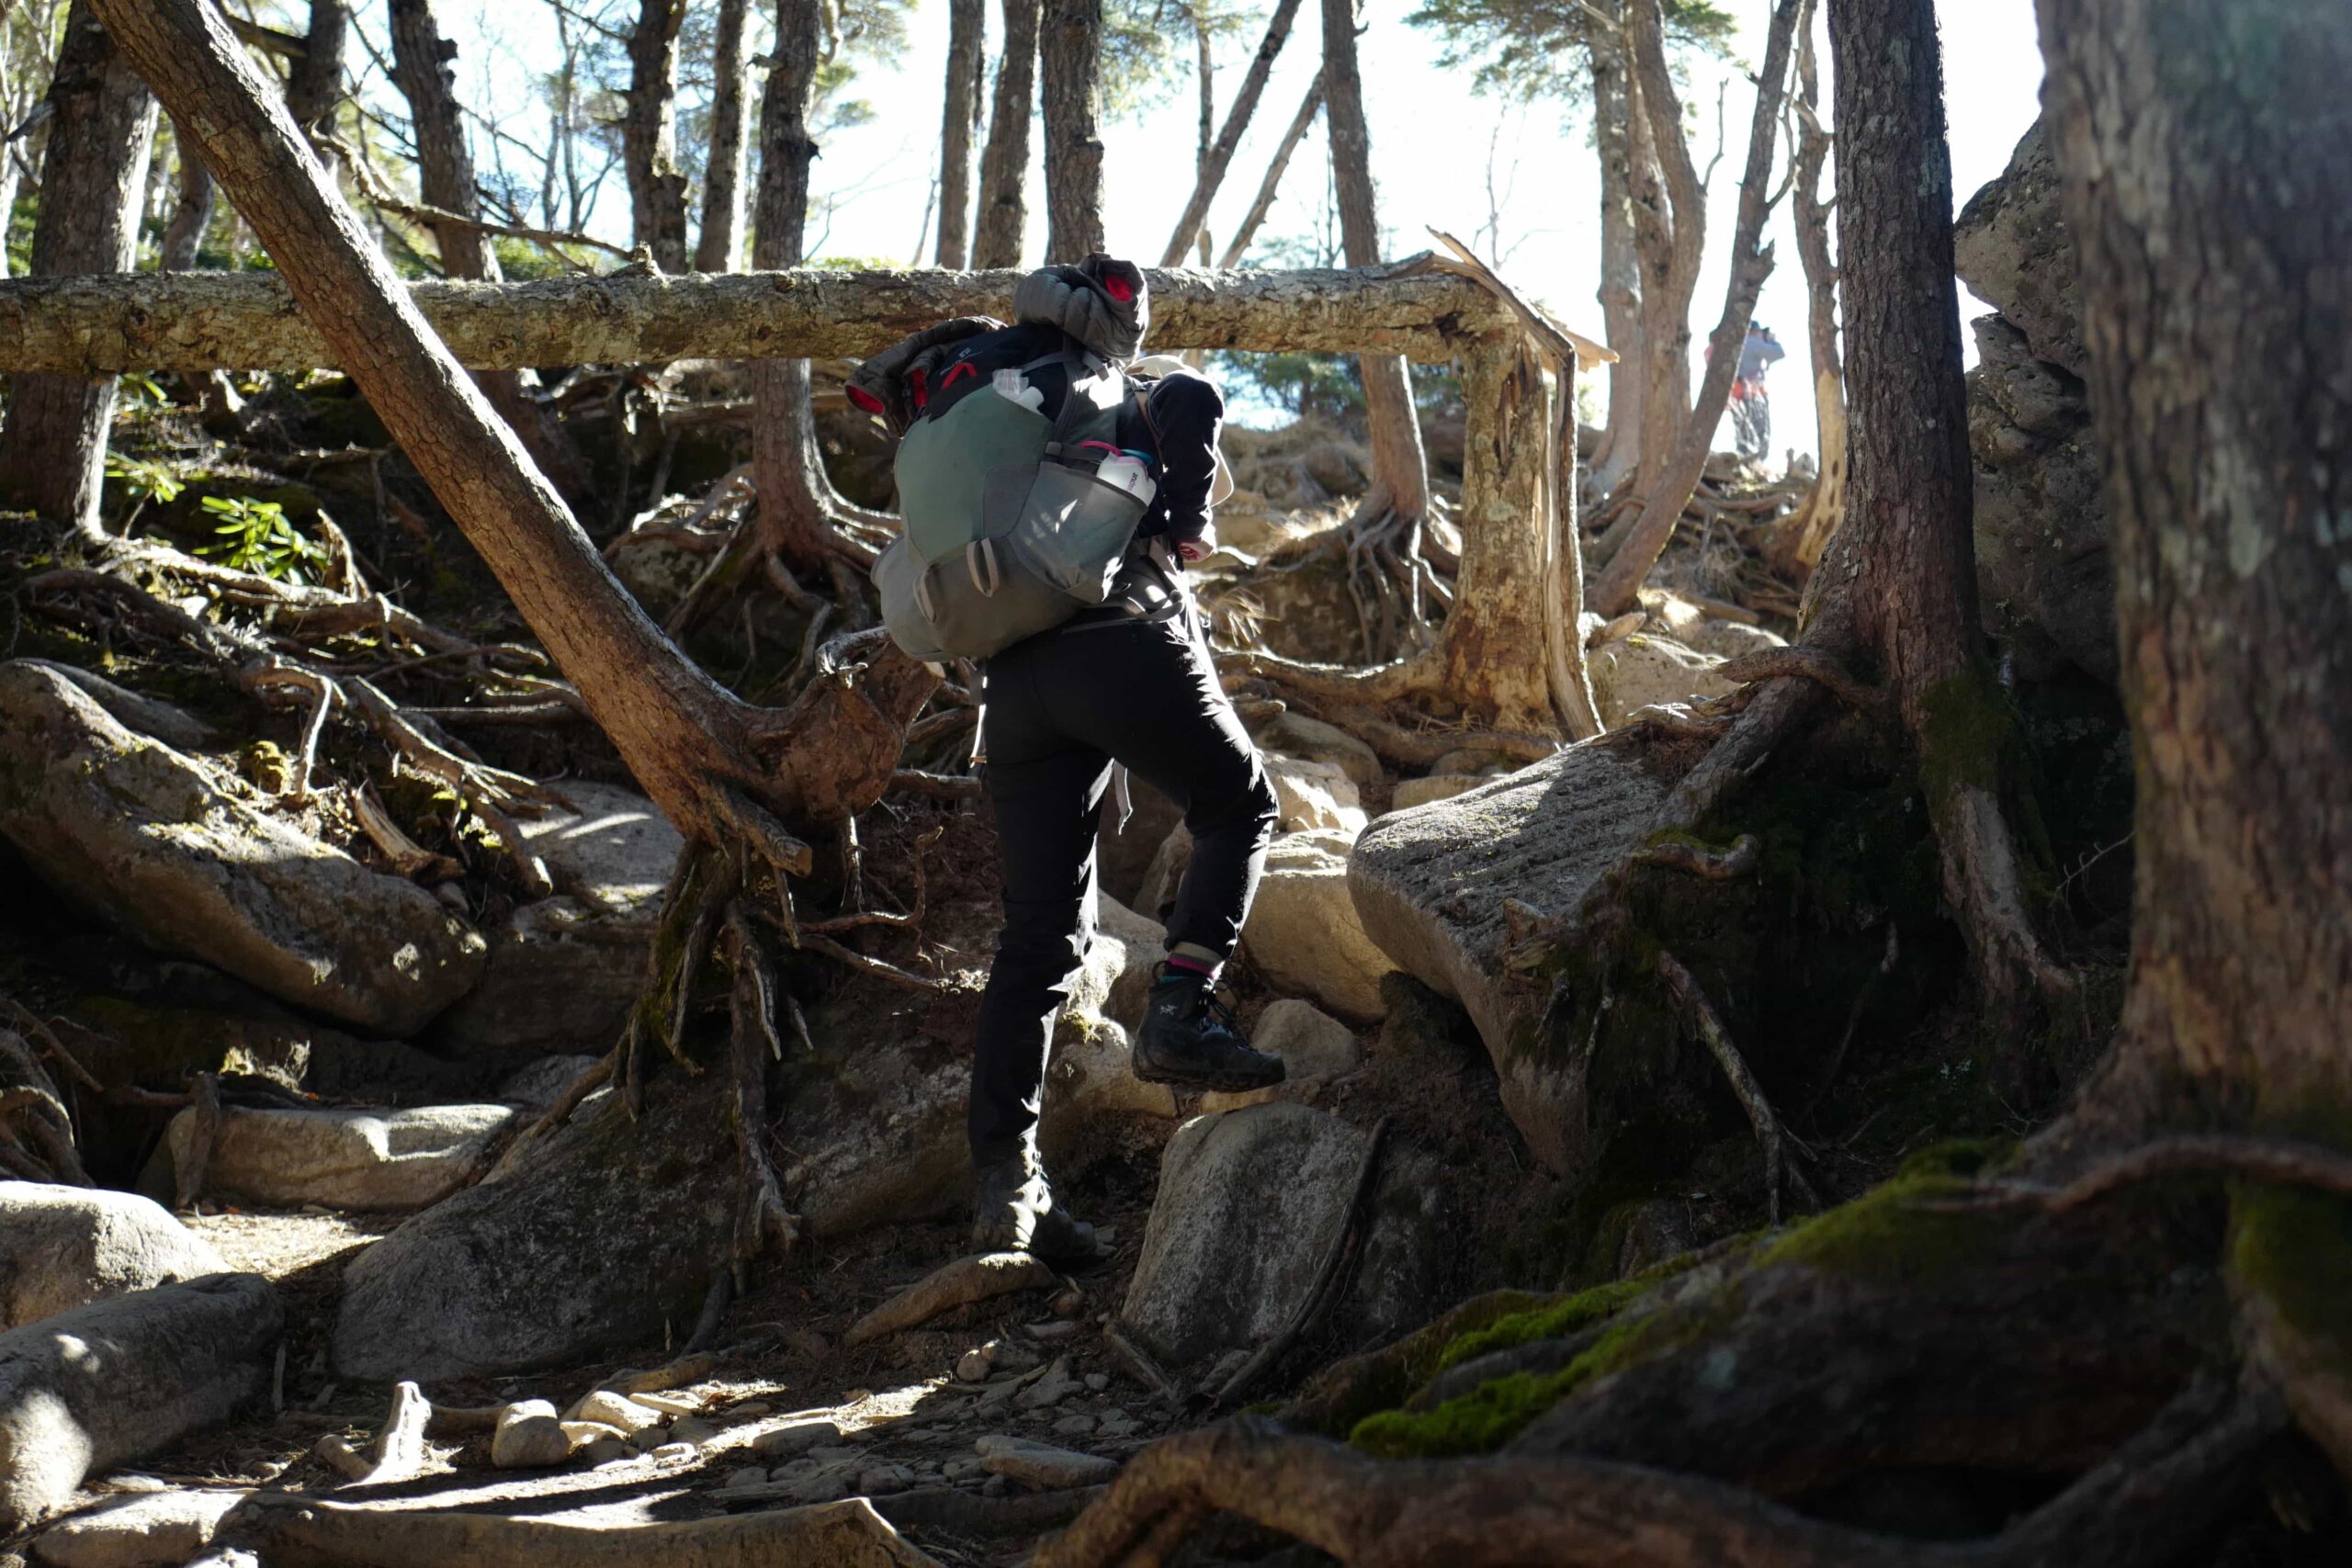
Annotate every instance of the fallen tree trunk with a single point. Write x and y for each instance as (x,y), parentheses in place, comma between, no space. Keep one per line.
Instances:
(103,324)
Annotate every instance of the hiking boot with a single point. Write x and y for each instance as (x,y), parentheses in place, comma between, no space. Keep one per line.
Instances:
(1192,1039)
(1015,1212)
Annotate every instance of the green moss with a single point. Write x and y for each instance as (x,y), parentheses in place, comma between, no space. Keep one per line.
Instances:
(1889,1235)
(1488,1415)
(1347,1394)
(2293,1247)
(1558,1319)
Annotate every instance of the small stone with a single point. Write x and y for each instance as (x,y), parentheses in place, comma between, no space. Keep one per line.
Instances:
(786,1442)
(1079,1426)
(1041,1465)
(582,1433)
(1060,1330)
(807,1343)
(1118,1425)
(645,1439)
(833,1455)
(617,1411)
(961,1468)
(995,1486)
(677,1453)
(668,1403)
(1010,1356)
(750,1408)
(1056,1385)
(131,1481)
(972,1367)
(528,1435)
(693,1430)
(1097,1381)
(881,1480)
(1071,1301)
(604,1451)
(750,1475)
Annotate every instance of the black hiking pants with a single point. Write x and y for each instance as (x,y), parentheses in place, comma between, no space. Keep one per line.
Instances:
(1061,708)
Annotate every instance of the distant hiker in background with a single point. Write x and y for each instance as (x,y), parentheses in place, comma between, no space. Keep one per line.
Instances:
(1751,409)
(1054,486)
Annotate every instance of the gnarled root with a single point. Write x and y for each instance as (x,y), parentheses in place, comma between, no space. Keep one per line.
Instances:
(1769,1135)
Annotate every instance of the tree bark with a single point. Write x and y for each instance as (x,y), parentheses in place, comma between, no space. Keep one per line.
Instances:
(422,72)
(191,207)
(1809,531)
(1399,470)
(1239,246)
(1909,547)
(1673,472)
(694,749)
(1620,276)
(718,244)
(314,80)
(1669,235)
(1004,217)
(1218,155)
(1070,68)
(657,190)
(2215,233)
(967,29)
(89,326)
(94,177)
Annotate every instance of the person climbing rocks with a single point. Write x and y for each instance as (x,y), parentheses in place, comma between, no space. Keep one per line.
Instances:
(1751,407)
(1130,683)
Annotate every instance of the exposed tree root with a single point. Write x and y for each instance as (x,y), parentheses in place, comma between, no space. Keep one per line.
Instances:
(1806,663)
(398,1452)
(36,1130)
(960,1283)
(1770,1134)
(2273,1160)
(2183,1471)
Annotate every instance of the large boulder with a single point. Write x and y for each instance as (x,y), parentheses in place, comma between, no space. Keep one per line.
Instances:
(1304,934)
(2011,247)
(564,971)
(86,1389)
(1645,669)
(151,840)
(1250,1202)
(1314,795)
(379,1160)
(604,1234)
(1126,949)
(1296,735)
(1430,884)
(63,1247)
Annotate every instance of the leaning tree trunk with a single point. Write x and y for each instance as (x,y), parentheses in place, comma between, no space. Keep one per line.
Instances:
(967,27)
(1912,556)
(1217,156)
(1308,106)
(1670,238)
(722,771)
(718,246)
(2214,222)
(422,72)
(101,130)
(657,190)
(1673,473)
(1400,483)
(314,82)
(1004,167)
(1797,542)
(1620,276)
(1070,66)
(192,206)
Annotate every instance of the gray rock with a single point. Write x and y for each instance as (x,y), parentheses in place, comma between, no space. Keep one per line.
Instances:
(385,1161)
(541,1083)
(90,1389)
(157,845)
(1118,966)
(1646,670)
(603,1233)
(63,1247)
(149,716)
(881,1480)
(528,1437)
(152,1529)
(972,1367)
(563,972)
(1314,795)
(1041,1465)
(1295,735)
(1430,887)
(750,1475)
(796,1439)
(1436,787)
(1249,1204)
(2012,247)
(615,1410)
(604,1451)
(693,1430)
(1303,933)
(1057,1385)
(1315,1047)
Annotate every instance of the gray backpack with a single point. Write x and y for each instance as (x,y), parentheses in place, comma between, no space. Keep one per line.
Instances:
(1008,532)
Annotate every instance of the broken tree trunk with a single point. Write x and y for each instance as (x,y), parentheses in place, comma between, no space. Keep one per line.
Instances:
(1217,157)
(1070,73)
(248,320)
(719,247)
(657,189)
(1004,166)
(94,177)
(2209,226)
(1674,472)
(966,27)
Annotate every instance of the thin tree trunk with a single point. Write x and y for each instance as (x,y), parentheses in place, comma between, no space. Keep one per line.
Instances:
(422,72)
(1070,70)
(1620,276)
(314,83)
(1669,237)
(998,232)
(7,202)
(1218,157)
(717,246)
(657,189)
(967,29)
(1673,473)
(1808,532)
(1908,545)
(1399,470)
(1239,246)
(191,207)
(2213,222)
(94,177)
(696,749)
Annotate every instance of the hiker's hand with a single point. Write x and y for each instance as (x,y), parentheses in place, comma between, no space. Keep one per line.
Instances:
(1192,551)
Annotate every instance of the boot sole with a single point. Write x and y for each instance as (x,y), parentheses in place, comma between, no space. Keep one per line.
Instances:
(1225,1083)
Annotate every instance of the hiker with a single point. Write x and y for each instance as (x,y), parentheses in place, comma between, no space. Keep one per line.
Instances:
(1120,455)
(1752,410)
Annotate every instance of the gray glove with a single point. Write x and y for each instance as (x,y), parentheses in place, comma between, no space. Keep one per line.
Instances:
(1102,302)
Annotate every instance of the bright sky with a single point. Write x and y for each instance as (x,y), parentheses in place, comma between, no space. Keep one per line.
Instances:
(1431,137)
